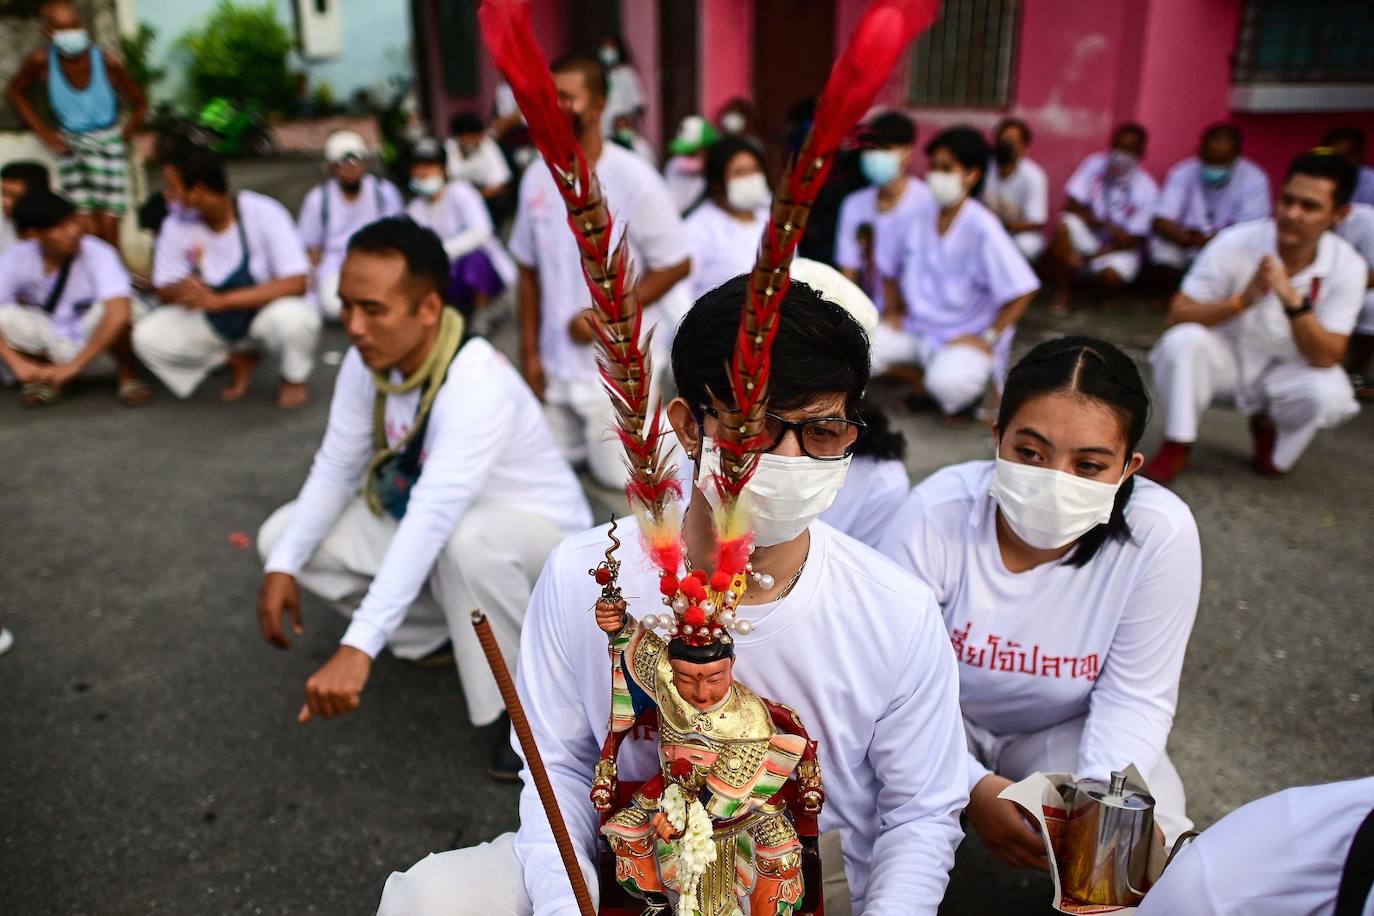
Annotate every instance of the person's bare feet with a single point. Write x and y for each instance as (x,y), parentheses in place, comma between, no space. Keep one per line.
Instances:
(241,366)
(292,395)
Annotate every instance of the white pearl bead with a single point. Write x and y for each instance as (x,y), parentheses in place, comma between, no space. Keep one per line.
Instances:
(716,632)
(709,607)
(687,629)
(744,627)
(732,595)
(679,604)
(765,582)
(727,618)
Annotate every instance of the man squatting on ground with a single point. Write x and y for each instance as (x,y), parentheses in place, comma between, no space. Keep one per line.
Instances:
(854,643)
(464,492)
(1263,321)
(232,272)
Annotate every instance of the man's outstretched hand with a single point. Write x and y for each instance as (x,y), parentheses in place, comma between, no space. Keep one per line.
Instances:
(337,688)
(279,593)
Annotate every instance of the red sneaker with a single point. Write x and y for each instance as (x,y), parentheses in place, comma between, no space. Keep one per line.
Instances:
(1264,436)
(1166,465)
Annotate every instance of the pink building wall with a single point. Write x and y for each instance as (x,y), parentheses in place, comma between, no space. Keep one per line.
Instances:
(725,53)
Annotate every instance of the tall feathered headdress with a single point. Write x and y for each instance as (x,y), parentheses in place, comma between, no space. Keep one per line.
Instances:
(703,603)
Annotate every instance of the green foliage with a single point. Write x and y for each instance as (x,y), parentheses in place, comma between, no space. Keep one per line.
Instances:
(135,49)
(323,99)
(241,54)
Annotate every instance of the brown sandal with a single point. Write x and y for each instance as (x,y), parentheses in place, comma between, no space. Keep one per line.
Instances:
(133,392)
(39,394)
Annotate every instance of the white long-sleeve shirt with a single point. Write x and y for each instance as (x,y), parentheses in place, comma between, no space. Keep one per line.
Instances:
(486,444)
(1056,642)
(857,649)
(460,218)
(1279,856)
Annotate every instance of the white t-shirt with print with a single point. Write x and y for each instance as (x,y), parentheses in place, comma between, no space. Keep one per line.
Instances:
(487,444)
(857,649)
(1191,203)
(1057,642)
(97,275)
(721,246)
(892,229)
(541,239)
(275,250)
(1128,204)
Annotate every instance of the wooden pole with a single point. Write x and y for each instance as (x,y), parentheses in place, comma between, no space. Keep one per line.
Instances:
(533,761)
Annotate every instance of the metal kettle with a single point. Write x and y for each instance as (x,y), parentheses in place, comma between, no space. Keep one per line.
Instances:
(1106,843)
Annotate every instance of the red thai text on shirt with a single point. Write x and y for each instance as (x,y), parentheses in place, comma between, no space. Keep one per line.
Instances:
(1009,655)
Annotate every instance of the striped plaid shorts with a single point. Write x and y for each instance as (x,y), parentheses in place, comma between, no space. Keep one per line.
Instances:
(94,170)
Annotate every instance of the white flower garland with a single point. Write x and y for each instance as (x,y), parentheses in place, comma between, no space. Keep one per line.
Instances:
(695,848)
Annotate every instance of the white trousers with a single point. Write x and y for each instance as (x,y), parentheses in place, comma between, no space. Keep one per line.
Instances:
(1163,251)
(181,348)
(490,562)
(1195,367)
(488,880)
(1126,264)
(1031,243)
(327,294)
(956,376)
(582,420)
(1055,750)
(31,331)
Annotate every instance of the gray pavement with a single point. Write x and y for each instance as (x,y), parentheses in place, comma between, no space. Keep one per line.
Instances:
(151,762)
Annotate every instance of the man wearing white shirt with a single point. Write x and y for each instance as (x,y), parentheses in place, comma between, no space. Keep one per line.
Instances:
(333,211)
(16,180)
(1111,205)
(475,157)
(1203,195)
(1348,142)
(464,494)
(232,272)
(1305,850)
(1263,320)
(1017,189)
(854,644)
(889,206)
(64,301)
(554,305)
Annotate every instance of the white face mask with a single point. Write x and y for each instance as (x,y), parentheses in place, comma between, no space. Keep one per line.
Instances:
(946,187)
(748,192)
(429,186)
(786,494)
(732,122)
(71,42)
(1047,508)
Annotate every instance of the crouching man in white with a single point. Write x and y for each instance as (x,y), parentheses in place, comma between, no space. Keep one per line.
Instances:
(1263,320)
(1068,587)
(464,493)
(64,300)
(849,639)
(233,275)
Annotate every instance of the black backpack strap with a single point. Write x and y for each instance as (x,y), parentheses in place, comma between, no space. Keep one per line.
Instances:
(59,286)
(1357,878)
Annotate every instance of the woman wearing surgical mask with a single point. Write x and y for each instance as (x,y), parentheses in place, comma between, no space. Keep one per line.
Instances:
(954,295)
(479,267)
(724,228)
(1068,587)
(624,91)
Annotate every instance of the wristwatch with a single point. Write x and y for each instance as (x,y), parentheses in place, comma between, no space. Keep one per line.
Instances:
(991,336)
(1300,309)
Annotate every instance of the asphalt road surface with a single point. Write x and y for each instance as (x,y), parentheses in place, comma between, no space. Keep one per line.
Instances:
(151,761)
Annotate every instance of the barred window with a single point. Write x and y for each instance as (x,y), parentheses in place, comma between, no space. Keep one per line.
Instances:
(1305,41)
(966,60)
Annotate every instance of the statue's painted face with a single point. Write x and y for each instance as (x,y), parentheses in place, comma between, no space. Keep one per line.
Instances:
(703,685)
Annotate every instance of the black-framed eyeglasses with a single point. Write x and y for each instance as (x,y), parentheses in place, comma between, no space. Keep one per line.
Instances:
(822,438)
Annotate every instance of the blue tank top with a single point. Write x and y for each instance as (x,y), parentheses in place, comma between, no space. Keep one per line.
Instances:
(82,111)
